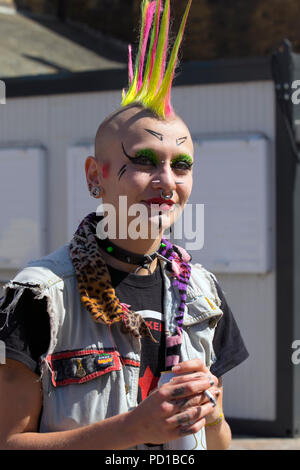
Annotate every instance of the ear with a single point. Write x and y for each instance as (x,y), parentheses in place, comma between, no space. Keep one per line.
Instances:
(93,171)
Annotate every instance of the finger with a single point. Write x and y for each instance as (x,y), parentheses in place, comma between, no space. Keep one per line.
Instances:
(210,379)
(192,365)
(200,399)
(186,430)
(187,389)
(190,416)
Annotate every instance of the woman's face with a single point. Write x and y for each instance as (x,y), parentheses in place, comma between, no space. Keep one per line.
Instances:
(143,160)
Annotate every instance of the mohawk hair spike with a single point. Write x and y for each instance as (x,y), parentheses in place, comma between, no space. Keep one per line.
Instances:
(153,88)
(164,58)
(159,64)
(133,89)
(162,101)
(151,54)
(149,13)
(130,66)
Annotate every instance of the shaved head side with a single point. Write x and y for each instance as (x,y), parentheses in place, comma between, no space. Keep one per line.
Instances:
(114,124)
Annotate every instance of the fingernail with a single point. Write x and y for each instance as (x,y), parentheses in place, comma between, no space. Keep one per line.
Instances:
(176,368)
(211,380)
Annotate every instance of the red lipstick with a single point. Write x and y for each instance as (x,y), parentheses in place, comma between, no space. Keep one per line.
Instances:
(164,205)
(160,200)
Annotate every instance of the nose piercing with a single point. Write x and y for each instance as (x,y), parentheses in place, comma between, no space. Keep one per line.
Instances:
(165,196)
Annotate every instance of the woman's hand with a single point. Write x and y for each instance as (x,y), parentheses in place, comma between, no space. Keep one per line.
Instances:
(218,434)
(174,409)
(195,370)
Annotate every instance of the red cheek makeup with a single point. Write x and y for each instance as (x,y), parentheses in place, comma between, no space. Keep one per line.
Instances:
(105,170)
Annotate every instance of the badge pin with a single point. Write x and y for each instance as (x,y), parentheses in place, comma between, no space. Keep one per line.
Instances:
(80,370)
(210,304)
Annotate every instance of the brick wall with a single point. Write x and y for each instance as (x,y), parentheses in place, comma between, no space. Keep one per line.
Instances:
(112,17)
(215,29)
(37,6)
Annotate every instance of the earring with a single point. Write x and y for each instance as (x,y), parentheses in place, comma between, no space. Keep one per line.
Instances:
(95,191)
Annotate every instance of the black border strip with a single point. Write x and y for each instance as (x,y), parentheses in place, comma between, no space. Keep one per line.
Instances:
(285,183)
(189,73)
(256,428)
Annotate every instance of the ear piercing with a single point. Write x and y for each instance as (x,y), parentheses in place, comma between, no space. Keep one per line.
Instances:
(95,191)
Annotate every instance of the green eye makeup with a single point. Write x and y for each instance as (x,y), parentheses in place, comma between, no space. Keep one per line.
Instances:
(183,161)
(147,155)
(143,157)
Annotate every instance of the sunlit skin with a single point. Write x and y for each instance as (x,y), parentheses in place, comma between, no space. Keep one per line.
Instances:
(138,157)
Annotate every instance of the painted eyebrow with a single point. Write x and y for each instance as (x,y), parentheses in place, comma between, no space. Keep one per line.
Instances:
(126,154)
(148,152)
(181,140)
(155,134)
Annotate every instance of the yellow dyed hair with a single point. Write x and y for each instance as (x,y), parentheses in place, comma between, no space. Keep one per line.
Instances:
(151,85)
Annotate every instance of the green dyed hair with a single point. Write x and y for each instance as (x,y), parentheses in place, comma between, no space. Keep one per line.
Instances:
(150,85)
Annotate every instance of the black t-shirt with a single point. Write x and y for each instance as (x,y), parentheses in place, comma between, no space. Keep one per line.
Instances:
(144,294)
(27,331)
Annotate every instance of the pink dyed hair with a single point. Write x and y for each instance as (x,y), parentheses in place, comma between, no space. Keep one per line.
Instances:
(151,85)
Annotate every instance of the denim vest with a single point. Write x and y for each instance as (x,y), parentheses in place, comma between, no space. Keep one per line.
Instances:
(91,371)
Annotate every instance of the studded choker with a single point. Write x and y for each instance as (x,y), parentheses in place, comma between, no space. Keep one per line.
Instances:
(142,261)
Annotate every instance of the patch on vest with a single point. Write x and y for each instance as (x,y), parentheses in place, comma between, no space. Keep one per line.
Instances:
(79,366)
(105,359)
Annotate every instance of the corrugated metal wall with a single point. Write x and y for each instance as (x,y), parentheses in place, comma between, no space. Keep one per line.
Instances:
(249,390)
(58,122)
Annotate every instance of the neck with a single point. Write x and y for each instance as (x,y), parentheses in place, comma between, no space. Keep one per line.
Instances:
(134,247)
(130,268)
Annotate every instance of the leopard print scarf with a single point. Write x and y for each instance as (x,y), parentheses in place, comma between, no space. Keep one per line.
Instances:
(95,287)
